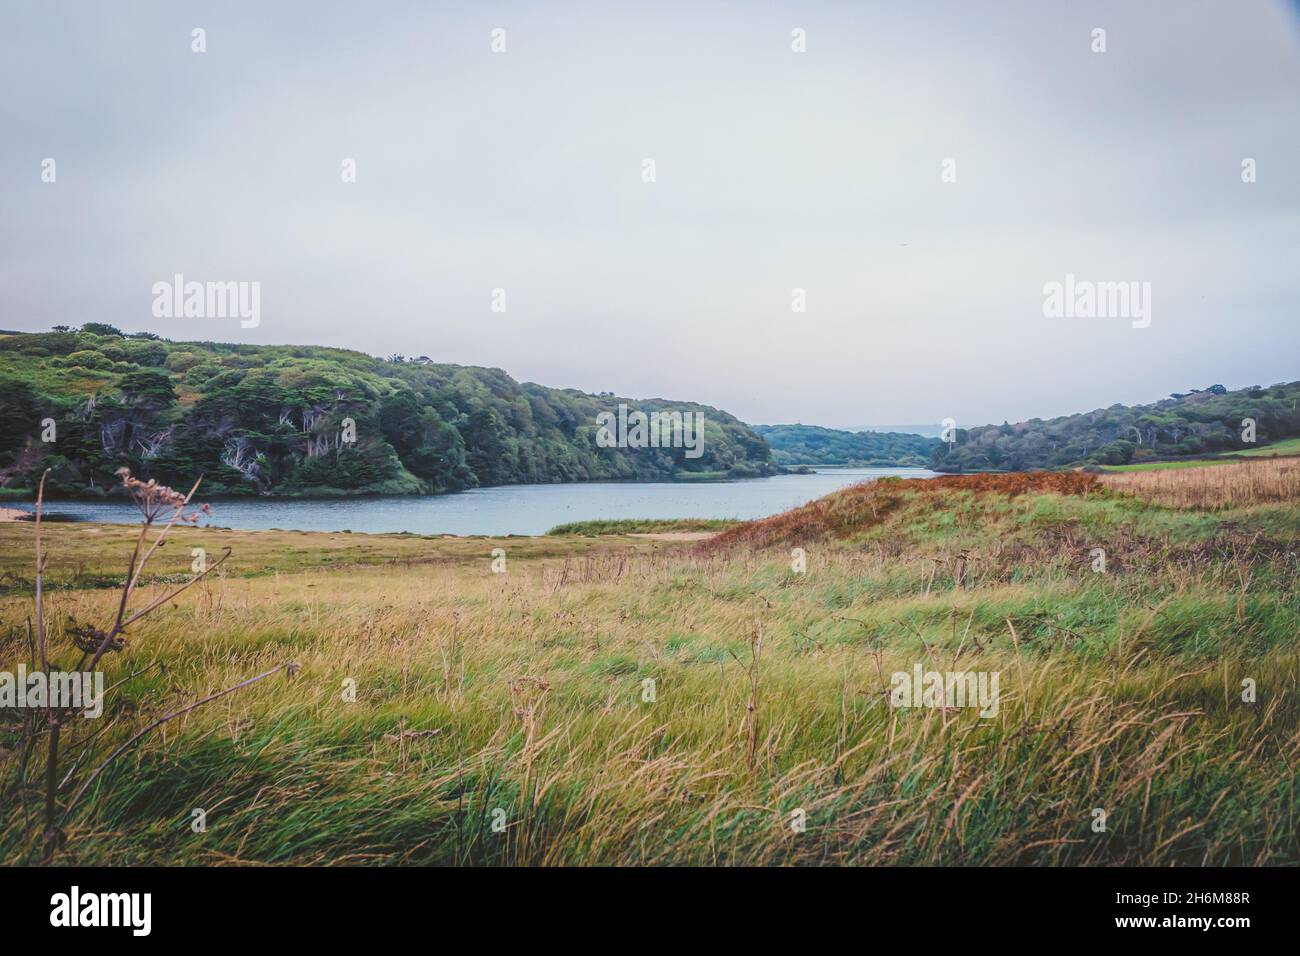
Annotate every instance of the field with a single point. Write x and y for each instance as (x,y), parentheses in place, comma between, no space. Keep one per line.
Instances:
(1174,465)
(613,699)
(1290,446)
(1226,485)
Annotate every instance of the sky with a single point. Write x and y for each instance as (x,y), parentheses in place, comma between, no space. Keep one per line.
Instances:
(920,171)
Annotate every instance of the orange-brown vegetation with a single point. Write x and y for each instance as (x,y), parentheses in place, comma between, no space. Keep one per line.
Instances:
(858,507)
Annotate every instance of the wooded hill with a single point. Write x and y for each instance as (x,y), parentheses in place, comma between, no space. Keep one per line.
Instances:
(1195,423)
(270,420)
(814,445)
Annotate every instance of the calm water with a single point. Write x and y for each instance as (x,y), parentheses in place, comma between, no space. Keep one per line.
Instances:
(518,509)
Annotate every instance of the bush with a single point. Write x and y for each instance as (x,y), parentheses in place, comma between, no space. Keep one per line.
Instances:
(183,361)
(201,373)
(147,353)
(89,358)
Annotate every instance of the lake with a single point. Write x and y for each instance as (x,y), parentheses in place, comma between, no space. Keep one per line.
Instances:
(515,509)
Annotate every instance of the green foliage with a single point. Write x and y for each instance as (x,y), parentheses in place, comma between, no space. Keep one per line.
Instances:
(1201,422)
(812,445)
(274,420)
(89,358)
(19,418)
(144,352)
(183,361)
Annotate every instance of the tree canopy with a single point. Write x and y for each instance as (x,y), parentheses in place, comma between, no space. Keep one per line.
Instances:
(307,420)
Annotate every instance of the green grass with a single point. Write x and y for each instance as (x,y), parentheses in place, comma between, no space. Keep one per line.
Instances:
(85,555)
(1120,690)
(1290,446)
(1166,465)
(642,526)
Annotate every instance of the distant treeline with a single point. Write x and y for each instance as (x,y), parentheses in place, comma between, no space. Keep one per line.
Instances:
(1199,422)
(281,419)
(813,445)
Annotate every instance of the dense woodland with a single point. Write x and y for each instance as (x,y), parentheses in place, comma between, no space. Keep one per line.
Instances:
(1196,423)
(813,445)
(256,420)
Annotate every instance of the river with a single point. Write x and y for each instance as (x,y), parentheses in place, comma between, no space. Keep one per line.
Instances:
(515,509)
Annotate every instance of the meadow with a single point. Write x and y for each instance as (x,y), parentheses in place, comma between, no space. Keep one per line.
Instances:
(1279,449)
(588,698)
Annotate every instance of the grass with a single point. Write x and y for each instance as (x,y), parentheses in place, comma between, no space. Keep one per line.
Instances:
(1238,483)
(522,698)
(643,526)
(85,555)
(1166,465)
(1289,446)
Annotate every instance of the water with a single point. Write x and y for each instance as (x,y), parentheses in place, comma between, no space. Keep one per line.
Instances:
(515,509)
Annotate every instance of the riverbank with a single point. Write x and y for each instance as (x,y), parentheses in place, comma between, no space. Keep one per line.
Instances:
(530,509)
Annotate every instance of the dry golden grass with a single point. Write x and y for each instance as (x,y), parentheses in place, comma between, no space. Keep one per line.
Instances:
(1240,484)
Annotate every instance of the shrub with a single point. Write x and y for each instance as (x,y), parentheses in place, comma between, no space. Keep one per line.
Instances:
(183,361)
(147,353)
(89,358)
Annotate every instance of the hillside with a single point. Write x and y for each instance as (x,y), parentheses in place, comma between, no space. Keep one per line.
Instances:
(813,445)
(270,420)
(1197,423)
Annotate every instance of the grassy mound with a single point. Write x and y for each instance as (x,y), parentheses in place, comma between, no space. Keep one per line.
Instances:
(860,507)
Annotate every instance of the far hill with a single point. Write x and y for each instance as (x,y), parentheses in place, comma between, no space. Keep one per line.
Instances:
(1187,425)
(270,420)
(813,445)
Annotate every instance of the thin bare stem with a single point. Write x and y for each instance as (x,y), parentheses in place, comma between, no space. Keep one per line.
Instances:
(40,575)
(123,625)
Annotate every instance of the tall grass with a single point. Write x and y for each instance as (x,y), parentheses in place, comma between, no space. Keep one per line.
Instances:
(507,718)
(1237,484)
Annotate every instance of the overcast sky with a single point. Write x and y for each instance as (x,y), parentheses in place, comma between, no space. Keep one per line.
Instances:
(774,170)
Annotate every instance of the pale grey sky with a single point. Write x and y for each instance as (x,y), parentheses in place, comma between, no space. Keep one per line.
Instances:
(775,170)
